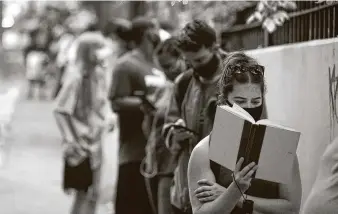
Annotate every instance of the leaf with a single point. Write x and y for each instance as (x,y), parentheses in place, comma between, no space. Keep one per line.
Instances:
(269,25)
(251,19)
(289,5)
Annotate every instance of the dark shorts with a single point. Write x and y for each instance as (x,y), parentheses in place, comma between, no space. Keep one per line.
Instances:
(78,177)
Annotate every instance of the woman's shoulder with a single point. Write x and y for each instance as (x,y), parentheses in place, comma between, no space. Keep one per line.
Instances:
(201,150)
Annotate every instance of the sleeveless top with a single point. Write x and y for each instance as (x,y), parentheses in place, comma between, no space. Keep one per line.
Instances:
(259,188)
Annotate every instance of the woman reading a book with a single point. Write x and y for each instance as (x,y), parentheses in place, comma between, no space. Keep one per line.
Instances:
(216,189)
(82,113)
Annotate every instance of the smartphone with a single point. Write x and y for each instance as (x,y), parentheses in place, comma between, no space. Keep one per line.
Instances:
(185,129)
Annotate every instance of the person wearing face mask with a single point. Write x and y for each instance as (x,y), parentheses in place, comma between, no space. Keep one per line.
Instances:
(189,115)
(216,189)
(159,163)
(132,79)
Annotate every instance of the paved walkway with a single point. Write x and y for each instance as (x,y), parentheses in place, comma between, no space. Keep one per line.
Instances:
(30,182)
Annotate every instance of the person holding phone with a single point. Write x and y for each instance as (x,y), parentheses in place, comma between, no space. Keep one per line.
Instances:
(192,102)
(130,85)
(216,189)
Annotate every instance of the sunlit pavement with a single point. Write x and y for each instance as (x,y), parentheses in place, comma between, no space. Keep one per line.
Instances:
(30,180)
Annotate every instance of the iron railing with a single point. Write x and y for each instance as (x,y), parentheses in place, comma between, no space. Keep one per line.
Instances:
(310,22)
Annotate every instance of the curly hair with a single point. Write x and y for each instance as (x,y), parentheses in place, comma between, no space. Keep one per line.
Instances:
(195,35)
(170,58)
(239,68)
(168,48)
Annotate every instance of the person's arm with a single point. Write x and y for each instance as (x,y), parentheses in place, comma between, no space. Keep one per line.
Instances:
(121,95)
(199,168)
(290,194)
(64,110)
(172,116)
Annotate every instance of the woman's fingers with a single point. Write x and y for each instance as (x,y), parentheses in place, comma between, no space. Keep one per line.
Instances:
(203,189)
(246,169)
(250,173)
(204,194)
(205,182)
(239,165)
(207,199)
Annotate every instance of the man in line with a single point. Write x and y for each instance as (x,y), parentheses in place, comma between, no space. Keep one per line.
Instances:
(132,79)
(193,102)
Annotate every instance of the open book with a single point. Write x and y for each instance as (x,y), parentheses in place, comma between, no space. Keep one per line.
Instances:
(236,134)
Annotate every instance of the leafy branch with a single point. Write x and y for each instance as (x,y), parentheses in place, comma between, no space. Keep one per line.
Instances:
(272,14)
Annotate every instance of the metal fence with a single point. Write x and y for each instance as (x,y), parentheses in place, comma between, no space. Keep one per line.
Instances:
(311,21)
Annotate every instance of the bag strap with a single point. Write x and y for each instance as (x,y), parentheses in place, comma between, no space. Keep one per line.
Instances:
(182,86)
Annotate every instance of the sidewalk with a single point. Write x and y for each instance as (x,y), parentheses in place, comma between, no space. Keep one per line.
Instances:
(30,182)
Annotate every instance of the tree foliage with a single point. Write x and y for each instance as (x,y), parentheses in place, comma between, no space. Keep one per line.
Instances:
(272,14)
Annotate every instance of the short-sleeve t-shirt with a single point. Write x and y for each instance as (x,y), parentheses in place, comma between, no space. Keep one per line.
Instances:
(129,76)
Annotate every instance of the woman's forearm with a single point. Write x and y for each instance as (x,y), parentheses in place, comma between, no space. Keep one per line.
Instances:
(224,204)
(273,206)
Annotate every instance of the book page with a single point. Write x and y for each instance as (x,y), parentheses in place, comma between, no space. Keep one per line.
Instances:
(226,137)
(245,113)
(274,124)
(237,110)
(277,154)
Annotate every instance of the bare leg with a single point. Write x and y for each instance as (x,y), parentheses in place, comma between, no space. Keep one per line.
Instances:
(92,198)
(30,94)
(80,199)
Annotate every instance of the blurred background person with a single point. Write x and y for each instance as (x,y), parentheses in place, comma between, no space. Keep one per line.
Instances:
(159,162)
(36,59)
(132,80)
(81,115)
(118,30)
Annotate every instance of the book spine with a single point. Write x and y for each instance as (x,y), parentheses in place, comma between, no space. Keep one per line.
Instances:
(248,158)
(242,152)
(256,143)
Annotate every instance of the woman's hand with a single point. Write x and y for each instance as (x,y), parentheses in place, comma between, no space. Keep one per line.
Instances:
(208,191)
(243,178)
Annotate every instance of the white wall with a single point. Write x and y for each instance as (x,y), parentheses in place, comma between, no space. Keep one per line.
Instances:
(298,89)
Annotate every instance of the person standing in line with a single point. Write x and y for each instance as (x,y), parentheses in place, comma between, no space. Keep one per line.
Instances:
(133,78)
(81,116)
(159,162)
(36,59)
(216,189)
(193,102)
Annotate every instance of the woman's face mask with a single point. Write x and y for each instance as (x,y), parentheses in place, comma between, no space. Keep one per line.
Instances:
(249,97)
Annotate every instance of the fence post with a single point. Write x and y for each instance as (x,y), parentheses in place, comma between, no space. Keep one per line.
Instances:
(267,38)
(1,16)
